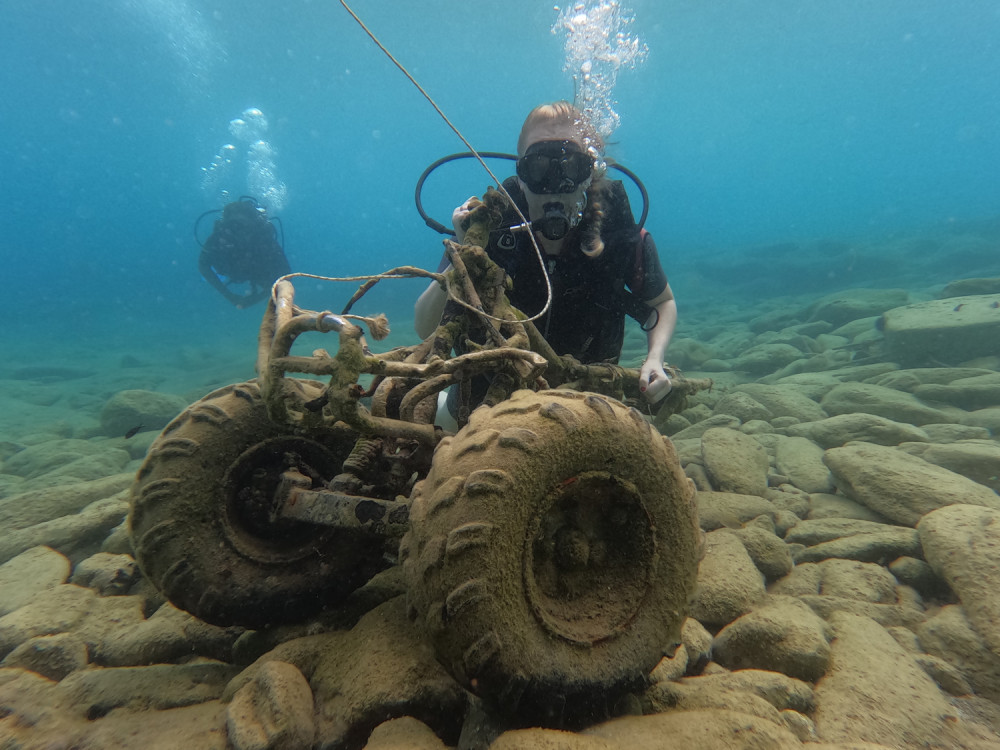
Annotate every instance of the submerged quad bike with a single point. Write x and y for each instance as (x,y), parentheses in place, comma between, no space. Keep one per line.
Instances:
(549,547)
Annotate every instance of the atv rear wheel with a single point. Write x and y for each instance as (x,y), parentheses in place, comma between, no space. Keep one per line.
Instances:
(200,521)
(552,553)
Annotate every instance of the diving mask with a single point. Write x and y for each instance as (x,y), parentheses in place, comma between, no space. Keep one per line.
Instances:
(554,167)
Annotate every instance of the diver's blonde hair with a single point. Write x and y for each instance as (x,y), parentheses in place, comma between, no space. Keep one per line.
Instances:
(577,128)
(562,113)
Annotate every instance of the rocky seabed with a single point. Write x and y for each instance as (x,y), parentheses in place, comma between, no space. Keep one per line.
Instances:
(848,597)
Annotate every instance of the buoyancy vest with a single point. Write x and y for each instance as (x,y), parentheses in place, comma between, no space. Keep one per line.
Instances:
(590,295)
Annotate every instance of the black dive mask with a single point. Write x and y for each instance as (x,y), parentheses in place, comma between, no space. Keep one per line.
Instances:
(554,167)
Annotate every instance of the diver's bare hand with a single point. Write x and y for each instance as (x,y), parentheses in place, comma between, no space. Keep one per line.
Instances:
(654,383)
(458,217)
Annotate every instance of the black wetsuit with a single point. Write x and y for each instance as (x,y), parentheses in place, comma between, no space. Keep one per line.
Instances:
(589,299)
(243,249)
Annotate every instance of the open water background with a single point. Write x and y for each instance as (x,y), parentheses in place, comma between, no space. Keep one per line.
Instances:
(759,128)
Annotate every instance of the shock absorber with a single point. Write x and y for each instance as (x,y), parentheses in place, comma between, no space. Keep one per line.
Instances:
(364,454)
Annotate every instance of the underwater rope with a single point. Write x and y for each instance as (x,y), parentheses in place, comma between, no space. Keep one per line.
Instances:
(497,181)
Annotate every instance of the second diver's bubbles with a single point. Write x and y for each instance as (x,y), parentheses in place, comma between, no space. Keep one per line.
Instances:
(219,181)
(238,128)
(217,175)
(262,179)
(597,47)
(250,127)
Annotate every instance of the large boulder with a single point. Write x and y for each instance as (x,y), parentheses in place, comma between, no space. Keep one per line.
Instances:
(801,461)
(784,401)
(717,510)
(948,635)
(729,584)
(380,669)
(899,486)
(29,574)
(782,635)
(971,393)
(149,410)
(272,710)
(735,462)
(843,428)
(851,304)
(34,507)
(962,545)
(874,691)
(965,287)
(979,460)
(849,398)
(943,331)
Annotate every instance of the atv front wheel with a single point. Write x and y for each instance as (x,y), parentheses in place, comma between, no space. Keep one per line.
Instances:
(200,515)
(552,553)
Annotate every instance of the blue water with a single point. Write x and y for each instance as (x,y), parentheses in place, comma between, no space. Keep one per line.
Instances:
(753,124)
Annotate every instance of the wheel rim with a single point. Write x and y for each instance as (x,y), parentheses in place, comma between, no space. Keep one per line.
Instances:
(249,486)
(590,558)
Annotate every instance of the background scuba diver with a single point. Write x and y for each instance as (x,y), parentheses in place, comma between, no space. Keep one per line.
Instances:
(242,257)
(592,246)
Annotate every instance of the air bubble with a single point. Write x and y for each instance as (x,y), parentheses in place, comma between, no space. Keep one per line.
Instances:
(597,47)
(261,179)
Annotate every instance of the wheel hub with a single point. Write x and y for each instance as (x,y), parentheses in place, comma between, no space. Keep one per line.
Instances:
(250,484)
(590,558)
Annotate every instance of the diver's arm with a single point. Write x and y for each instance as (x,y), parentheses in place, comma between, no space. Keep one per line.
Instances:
(429,307)
(205,266)
(654,383)
(251,298)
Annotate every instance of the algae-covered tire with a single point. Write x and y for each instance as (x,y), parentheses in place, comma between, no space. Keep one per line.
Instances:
(552,553)
(199,517)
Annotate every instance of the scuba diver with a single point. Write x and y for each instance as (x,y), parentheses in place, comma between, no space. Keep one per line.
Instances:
(242,257)
(592,246)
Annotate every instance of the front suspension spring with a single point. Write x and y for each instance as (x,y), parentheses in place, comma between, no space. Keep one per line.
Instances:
(364,454)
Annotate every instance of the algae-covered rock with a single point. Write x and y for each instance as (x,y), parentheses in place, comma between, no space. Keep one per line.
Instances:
(782,634)
(979,460)
(965,287)
(944,331)
(29,574)
(898,406)
(901,487)
(36,506)
(851,304)
(949,635)
(765,358)
(877,546)
(729,583)
(735,462)
(768,551)
(843,428)
(59,455)
(801,461)
(742,406)
(824,505)
(784,401)
(966,394)
(150,410)
(380,669)
(729,509)
(845,579)
(704,729)
(874,691)
(274,709)
(962,545)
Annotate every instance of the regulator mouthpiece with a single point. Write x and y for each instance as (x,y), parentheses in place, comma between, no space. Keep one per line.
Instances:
(554,224)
